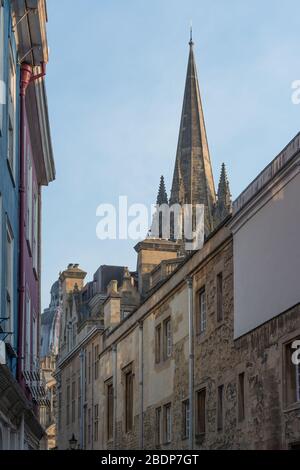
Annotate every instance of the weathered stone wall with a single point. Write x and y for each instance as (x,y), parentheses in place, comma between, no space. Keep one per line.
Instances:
(219,359)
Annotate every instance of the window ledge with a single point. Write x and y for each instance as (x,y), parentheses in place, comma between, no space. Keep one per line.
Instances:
(35,274)
(220,323)
(29,247)
(201,337)
(292,407)
(163,363)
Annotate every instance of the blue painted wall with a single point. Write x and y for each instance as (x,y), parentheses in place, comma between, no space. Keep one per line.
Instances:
(9,187)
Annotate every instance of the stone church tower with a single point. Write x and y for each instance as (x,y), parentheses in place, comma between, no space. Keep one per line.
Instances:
(193,182)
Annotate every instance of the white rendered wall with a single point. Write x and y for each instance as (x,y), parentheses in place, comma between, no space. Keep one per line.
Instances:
(267,260)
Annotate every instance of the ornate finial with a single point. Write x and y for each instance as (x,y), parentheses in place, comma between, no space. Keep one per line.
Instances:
(224,206)
(162,197)
(191,35)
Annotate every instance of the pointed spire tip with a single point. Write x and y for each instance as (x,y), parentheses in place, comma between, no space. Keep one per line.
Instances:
(191,43)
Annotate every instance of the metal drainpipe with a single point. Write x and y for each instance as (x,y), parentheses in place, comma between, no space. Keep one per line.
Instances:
(115,371)
(26,74)
(189,281)
(81,356)
(141,385)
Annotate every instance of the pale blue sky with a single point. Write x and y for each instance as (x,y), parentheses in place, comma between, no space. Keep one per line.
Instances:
(115,86)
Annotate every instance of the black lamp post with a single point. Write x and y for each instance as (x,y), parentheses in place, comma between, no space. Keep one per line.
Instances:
(73,443)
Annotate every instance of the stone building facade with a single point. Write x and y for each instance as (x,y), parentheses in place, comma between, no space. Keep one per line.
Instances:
(239,385)
(50,326)
(180,354)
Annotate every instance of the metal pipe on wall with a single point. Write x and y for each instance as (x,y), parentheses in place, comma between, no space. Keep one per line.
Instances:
(141,384)
(82,398)
(189,281)
(26,74)
(115,371)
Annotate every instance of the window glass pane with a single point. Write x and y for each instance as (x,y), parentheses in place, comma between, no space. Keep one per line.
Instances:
(158,344)
(220,407)
(167,423)
(202,308)
(186,418)
(220,297)
(110,410)
(128,401)
(167,339)
(241,396)
(158,426)
(201,417)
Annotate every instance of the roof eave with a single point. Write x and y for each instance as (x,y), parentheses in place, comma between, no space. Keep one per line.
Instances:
(31,19)
(48,157)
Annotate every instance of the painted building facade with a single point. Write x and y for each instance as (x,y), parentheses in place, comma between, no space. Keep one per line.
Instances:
(9,216)
(26,165)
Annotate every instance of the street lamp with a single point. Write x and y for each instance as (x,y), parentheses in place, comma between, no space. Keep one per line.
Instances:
(73,443)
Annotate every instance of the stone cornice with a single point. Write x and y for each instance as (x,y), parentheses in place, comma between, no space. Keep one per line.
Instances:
(266,189)
(268,174)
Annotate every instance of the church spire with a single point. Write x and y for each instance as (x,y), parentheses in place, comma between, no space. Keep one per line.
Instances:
(191,35)
(193,178)
(162,197)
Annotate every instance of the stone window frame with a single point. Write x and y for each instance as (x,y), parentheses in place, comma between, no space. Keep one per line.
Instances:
(283,344)
(90,366)
(220,297)
(219,268)
(198,434)
(96,422)
(158,348)
(241,402)
(201,290)
(109,433)
(128,369)
(160,320)
(167,439)
(185,422)
(220,415)
(158,426)
(96,354)
(167,338)
(241,369)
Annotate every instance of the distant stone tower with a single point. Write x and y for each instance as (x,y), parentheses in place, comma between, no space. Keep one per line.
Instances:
(193,181)
(223,205)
